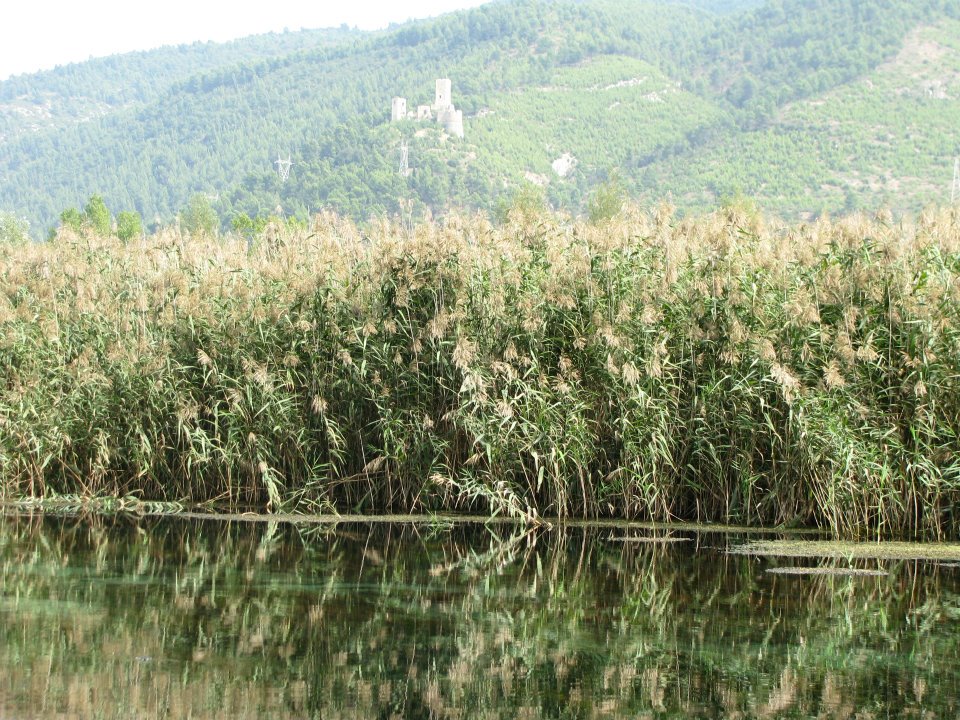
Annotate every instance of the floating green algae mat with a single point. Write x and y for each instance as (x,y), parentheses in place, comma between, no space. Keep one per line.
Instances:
(76,505)
(850,550)
(649,539)
(831,571)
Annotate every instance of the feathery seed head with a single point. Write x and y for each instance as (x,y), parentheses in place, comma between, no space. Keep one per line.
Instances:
(464,352)
(318,405)
(832,377)
(787,381)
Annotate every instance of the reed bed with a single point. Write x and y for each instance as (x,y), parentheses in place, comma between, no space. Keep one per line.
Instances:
(721,368)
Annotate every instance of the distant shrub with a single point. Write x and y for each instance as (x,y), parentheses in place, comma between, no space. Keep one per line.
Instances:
(97,215)
(73,219)
(129,225)
(607,200)
(525,205)
(199,217)
(13,230)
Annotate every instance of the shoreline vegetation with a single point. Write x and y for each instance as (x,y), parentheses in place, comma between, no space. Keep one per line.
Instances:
(725,368)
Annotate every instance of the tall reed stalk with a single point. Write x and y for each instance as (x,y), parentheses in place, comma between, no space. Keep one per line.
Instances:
(724,367)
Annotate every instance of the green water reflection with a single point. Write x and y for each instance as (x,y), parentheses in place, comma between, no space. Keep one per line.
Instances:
(127,618)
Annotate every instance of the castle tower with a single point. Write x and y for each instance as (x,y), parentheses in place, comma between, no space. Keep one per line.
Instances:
(443,97)
(399,110)
(452,121)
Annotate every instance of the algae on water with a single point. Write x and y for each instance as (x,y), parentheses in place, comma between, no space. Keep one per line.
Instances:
(832,571)
(850,550)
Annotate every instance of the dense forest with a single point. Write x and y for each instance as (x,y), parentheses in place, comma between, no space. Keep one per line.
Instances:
(806,105)
(76,92)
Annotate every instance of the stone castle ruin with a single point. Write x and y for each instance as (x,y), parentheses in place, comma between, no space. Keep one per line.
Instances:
(443,109)
(399,111)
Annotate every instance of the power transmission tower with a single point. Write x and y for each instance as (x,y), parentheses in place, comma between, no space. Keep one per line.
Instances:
(283,167)
(404,160)
(955,192)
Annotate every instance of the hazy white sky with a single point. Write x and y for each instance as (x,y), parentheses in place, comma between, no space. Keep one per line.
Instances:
(39,34)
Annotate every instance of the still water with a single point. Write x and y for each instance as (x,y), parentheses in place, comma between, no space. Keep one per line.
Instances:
(143,618)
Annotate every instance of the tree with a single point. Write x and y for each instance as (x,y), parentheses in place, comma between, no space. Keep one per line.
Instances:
(13,230)
(129,225)
(527,203)
(73,219)
(607,200)
(97,215)
(199,217)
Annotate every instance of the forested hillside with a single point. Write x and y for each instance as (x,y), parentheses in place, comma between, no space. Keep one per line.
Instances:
(79,92)
(887,138)
(798,102)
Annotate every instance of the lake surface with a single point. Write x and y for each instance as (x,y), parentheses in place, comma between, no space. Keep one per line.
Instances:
(169,617)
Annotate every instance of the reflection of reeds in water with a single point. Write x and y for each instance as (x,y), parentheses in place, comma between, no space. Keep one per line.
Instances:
(720,368)
(214,620)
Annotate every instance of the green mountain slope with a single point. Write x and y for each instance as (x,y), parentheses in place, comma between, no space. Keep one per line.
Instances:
(563,133)
(784,50)
(595,111)
(207,133)
(887,138)
(80,92)
(697,99)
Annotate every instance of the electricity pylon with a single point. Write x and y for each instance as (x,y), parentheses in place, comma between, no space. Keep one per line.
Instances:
(404,160)
(283,167)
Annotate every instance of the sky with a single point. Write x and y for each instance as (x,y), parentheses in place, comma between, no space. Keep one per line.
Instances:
(40,34)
